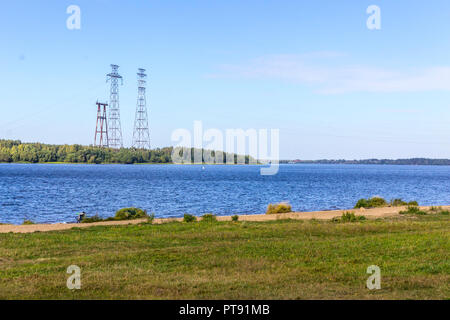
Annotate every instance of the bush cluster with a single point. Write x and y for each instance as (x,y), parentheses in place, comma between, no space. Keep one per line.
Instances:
(279,208)
(189,218)
(130,213)
(209,217)
(122,214)
(378,202)
(374,202)
(400,203)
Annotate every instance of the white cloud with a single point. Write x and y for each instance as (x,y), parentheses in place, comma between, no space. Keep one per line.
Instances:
(314,70)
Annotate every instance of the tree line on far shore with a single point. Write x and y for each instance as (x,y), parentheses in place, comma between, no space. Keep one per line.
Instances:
(17,151)
(412,161)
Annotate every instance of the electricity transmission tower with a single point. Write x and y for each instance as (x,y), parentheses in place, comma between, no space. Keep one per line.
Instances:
(101,127)
(141,133)
(115,129)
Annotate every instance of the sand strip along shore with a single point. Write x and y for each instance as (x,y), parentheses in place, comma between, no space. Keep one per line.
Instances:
(322,215)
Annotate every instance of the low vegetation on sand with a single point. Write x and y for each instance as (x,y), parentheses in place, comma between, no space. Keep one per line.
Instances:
(374,202)
(209,217)
(400,203)
(280,259)
(439,210)
(415,210)
(130,213)
(378,202)
(279,208)
(27,222)
(349,217)
(122,214)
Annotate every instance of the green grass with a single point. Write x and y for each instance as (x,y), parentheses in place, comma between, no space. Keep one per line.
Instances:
(281,259)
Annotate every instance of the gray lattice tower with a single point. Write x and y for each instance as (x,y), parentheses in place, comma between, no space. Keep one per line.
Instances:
(115,129)
(141,133)
(101,127)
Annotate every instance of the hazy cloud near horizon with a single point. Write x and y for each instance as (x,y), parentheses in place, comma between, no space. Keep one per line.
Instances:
(325,74)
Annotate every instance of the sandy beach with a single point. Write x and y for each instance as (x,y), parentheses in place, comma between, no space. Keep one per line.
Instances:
(320,215)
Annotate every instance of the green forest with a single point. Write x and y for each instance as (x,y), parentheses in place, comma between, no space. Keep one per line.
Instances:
(17,151)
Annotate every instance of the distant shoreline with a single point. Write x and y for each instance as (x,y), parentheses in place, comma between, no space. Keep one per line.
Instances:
(14,151)
(139,163)
(411,161)
(283,162)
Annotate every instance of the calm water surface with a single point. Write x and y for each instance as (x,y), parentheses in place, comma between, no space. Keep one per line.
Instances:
(55,193)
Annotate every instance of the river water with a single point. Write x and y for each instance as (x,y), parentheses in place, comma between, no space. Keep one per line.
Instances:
(56,192)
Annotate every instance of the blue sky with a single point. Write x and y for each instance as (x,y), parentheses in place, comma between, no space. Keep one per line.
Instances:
(312,69)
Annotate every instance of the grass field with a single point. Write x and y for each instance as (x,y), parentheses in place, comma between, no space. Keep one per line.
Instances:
(281,259)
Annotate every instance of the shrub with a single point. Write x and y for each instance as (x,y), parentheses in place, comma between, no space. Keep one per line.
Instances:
(435,209)
(209,217)
(235,218)
(279,208)
(27,222)
(189,218)
(150,217)
(413,210)
(374,202)
(95,218)
(398,203)
(130,213)
(350,217)
(362,203)
(445,212)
